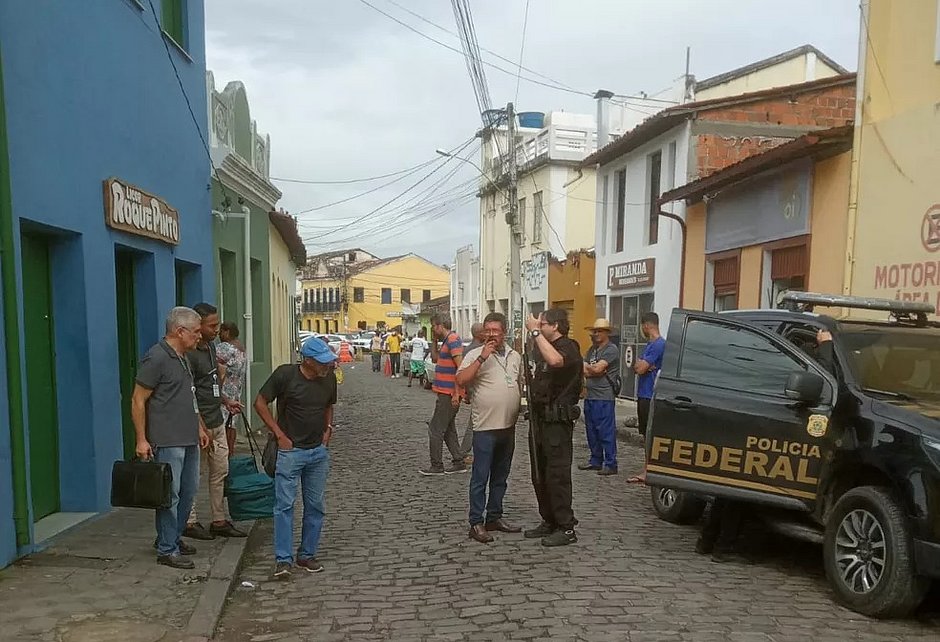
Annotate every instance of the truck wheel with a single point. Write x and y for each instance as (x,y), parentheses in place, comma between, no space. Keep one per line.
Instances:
(869,555)
(676,506)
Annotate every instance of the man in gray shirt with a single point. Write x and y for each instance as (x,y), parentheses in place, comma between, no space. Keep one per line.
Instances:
(602,377)
(169,429)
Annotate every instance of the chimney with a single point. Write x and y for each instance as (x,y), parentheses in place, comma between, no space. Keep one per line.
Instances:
(603,116)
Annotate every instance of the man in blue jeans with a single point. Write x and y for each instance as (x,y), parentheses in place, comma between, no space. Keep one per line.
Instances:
(601,377)
(169,429)
(305,395)
(493,374)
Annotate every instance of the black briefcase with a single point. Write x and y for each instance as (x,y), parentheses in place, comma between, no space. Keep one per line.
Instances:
(141,484)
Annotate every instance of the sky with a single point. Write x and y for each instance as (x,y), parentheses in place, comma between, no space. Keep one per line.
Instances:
(347,93)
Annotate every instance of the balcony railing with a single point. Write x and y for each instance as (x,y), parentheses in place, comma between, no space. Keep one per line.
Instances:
(314,308)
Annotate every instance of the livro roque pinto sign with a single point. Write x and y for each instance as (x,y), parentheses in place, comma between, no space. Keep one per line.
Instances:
(130,209)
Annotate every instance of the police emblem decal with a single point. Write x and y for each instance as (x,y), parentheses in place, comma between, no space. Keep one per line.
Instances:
(817,425)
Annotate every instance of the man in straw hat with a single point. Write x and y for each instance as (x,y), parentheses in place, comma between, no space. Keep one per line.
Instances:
(602,379)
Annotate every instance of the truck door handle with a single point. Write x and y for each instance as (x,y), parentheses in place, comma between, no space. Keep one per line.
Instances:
(682,403)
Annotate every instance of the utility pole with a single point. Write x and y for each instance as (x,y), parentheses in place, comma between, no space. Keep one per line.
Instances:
(345,296)
(516,321)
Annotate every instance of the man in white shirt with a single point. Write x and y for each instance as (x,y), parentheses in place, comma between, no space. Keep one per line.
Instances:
(419,348)
(493,373)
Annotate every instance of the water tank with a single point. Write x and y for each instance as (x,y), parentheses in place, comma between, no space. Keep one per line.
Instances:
(533,119)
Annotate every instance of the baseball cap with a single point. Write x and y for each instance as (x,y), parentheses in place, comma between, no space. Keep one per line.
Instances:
(316,349)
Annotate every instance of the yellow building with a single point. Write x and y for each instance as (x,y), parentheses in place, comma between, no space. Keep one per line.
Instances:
(773,222)
(894,213)
(354,290)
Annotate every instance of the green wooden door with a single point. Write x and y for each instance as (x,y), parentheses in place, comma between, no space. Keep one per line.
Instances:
(42,408)
(127,343)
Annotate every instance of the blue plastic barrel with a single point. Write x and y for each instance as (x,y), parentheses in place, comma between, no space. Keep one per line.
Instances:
(533,119)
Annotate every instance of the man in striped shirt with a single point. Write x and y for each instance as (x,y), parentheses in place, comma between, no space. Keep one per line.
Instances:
(442,428)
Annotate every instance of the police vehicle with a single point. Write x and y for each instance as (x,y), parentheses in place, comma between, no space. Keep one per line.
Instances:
(845,452)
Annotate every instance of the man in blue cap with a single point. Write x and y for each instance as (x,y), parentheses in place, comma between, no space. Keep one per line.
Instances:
(305,395)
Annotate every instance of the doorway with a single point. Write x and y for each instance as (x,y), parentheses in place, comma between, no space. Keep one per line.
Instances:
(126,303)
(625,314)
(42,407)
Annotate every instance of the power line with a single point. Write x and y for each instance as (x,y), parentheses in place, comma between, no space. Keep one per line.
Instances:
(353,180)
(525,24)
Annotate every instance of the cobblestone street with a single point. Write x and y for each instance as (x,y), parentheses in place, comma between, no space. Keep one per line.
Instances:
(399,564)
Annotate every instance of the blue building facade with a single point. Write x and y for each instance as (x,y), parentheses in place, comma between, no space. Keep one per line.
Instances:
(105,221)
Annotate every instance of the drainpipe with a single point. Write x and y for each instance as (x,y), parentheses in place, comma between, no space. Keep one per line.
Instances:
(678,219)
(603,116)
(852,218)
(11,331)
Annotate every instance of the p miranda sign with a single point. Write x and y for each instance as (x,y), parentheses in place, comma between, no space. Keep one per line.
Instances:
(130,209)
(634,274)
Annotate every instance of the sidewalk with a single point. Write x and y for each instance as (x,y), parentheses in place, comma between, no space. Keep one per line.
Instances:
(626,423)
(100,582)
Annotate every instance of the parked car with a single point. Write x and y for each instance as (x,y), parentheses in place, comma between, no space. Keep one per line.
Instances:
(334,341)
(843,453)
(363,341)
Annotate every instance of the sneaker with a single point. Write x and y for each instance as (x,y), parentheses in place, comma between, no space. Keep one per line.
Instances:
(431,470)
(310,565)
(542,530)
(175,561)
(282,571)
(226,530)
(588,467)
(197,531)
(186,549)
(560,538)
(607,471)
(457,468)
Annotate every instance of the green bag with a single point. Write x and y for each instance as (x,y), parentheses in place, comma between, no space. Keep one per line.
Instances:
(250,493)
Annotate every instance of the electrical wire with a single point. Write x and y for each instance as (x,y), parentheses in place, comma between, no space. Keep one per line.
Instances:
(525,24)
(349,181)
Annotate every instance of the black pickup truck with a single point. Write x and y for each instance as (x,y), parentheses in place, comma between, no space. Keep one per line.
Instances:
(841,448)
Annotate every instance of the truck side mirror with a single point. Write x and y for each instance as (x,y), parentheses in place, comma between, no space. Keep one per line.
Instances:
(804,386)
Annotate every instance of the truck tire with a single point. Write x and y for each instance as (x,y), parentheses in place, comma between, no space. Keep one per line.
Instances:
(869,555)
(676,506)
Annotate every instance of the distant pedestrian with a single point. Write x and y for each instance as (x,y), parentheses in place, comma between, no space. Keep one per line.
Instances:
(168,428)
(305,396)
(478,338)
(556,386)
(419,348)
(233,359)
(648,367)
(209,375)
(493,375)
(376,349)
(393,347)
(602,378)
(441,429)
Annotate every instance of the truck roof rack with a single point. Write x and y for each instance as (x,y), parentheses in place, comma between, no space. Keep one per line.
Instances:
(914,312)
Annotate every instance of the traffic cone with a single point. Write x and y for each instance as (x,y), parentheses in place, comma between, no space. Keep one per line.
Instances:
(388,367)
(344,355)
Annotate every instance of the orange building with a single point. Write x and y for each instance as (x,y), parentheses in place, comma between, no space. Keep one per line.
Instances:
(571,287)
(773,222)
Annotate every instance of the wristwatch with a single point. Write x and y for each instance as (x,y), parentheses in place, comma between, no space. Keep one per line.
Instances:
(534,333)
(481,359)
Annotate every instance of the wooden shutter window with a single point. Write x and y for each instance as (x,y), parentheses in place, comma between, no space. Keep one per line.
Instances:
(726,276)
(788,262)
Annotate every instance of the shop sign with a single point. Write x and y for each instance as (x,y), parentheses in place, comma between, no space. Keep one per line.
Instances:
(130,209)
(633,274)
(394,315)
(917,279)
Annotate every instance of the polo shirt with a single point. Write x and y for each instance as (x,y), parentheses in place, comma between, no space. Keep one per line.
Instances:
(495,398)
(301,403)
(172,418)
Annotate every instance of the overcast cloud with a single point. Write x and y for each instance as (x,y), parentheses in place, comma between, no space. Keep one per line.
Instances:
(345,92)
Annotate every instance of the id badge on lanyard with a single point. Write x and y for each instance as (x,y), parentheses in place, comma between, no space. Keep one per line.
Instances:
(216,390)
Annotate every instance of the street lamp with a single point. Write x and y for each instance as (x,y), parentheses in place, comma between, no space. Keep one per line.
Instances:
(469,162)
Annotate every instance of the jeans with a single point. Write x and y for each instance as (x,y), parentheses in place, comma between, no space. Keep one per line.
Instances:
(466,443)
(492,459)
(311,466)
(600,420)
(170,522)
(442,430)
(376,361)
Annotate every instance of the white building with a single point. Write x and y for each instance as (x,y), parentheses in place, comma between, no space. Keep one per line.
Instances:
(556,198)
(638,251)
(465,290)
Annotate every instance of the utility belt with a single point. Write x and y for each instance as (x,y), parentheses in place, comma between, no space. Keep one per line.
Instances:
(556,413)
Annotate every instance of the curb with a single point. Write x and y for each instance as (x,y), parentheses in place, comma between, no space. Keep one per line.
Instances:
(223,573)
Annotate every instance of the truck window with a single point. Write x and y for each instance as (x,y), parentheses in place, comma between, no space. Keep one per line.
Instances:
(896,362)
(727,357)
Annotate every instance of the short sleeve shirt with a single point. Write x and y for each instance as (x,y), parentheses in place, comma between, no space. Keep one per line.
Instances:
(171,413)
(559,385)
(235,362)
(419,348)
(208,386)
(495,398)
(653,355)
(445,371)
(301,403)
(393,343)
(599,387)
